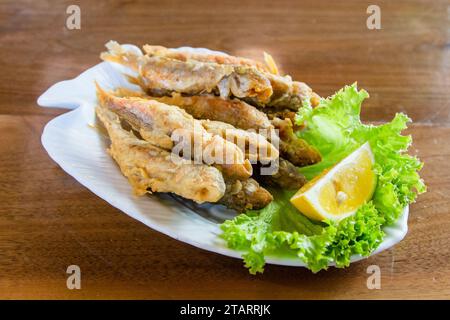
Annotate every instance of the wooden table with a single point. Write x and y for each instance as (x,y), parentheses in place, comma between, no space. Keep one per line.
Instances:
(49,221)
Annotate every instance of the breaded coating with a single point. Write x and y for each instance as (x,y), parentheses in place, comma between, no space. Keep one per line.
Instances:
(285,92)
(159,123)
(281,114)
(160,73)
(214,57)
(287,177)
(255,146)
(233,111)
(294,149)
(245,195)
(152,169)
(197,126)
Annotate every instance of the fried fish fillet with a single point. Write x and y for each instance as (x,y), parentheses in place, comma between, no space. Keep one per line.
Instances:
(160,72)
(158,123)
(149,168)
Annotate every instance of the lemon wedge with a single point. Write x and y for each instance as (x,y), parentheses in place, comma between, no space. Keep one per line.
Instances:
(339,191)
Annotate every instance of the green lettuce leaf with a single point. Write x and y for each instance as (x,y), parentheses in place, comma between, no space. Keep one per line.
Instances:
(335,129)
(398,178)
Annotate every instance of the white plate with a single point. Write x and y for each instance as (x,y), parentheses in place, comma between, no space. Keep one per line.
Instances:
(73,143)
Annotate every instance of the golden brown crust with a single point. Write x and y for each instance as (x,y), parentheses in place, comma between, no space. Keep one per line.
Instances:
(233,111)
(286,177)
(163,71)
(255,146)
(219,58)
(294,149)
(152,169)
(245,195)
(149,168)
(157,122)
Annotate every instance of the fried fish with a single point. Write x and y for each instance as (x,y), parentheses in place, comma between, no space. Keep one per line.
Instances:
(244,116)
(255,146)
(161,72)
(158,123)
(285,92)
(200,95)
(151,169)
(207,56)
(233,111)
(293,148)
(245,195)
(286,176)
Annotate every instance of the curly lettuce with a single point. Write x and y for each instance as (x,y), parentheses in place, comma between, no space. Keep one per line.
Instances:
(335,129)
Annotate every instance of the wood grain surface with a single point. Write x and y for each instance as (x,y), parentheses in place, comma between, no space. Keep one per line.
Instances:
(49,221)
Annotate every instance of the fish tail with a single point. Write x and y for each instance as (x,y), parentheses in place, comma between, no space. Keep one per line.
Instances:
(119,54)
(115,52)
(104,98)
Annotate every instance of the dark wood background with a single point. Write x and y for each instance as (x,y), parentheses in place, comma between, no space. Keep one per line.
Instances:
(49,221)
